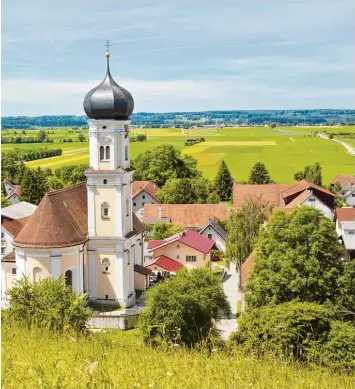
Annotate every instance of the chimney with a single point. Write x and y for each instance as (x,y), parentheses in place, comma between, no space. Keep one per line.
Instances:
(159,211)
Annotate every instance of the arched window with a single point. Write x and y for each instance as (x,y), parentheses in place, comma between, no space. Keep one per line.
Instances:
(102,153)
(37,274)
(105,264)
(68,278)
(127,207)
(105,210)
(107,152)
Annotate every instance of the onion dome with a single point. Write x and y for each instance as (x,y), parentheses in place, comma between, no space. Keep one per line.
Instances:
(108,100)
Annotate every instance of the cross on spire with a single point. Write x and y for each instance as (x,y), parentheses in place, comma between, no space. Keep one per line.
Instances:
(107,44)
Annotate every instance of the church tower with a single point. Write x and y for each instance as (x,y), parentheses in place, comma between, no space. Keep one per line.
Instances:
(113,237)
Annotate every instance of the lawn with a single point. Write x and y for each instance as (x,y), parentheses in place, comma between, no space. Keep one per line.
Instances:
(284,151)
(118,359)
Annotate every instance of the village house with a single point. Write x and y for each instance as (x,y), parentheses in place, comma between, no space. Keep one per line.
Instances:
(347,191)
(191,216)
(13,192)
(143,192)
(287,196)
(186,249)
(345,227)
(212,230)
(88,233)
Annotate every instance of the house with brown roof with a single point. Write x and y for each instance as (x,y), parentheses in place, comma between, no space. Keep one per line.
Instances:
(192,216)
(345,227)
(13,192)
(143,192)
(88,233)
(287,196)
(186,249)
(347,191)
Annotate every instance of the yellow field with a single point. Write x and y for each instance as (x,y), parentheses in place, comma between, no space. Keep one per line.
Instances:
(209,159)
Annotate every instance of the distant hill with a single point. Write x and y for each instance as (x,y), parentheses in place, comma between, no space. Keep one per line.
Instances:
(200,119)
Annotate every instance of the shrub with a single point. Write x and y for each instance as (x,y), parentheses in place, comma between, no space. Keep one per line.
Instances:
(47,304)
(292,329)
(183,309)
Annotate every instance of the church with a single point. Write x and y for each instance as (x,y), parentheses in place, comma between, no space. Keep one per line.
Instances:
(89,233)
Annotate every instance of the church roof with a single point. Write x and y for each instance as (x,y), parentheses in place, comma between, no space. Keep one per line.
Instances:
(60,220)
(108,100)
(15,226)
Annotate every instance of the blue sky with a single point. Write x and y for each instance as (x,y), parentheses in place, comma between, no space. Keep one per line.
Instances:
(179,55)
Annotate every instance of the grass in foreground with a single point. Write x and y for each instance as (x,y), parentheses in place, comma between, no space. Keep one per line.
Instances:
(34,359)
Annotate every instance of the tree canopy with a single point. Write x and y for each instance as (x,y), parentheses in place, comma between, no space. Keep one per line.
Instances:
(259,174)
(311,173)
(298,257)
(243,228)
(164,230)
(224,182)
(182,310)
(164,162)
(33,186)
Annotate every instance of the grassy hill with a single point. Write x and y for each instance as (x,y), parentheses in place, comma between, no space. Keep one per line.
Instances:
(36,359)
(284,151)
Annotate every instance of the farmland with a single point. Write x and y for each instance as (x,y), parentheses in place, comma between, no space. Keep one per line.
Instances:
(284,151)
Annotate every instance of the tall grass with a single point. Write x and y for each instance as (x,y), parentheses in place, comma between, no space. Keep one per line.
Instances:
(116,359)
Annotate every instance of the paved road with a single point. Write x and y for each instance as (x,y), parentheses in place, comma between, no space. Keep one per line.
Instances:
(230,286)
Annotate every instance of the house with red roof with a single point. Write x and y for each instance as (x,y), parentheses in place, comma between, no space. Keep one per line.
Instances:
(287,196)
(345,227)
(186,249)
(13,192)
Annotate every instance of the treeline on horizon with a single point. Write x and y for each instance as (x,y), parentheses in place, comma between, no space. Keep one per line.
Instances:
(186,119)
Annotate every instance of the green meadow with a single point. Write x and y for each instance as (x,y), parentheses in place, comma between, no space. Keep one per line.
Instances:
(284,151)
(34,359)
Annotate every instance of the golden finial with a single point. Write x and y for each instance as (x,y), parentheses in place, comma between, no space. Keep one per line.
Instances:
(107,44)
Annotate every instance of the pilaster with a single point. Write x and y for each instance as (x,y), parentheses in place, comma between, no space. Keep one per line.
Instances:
(56,258)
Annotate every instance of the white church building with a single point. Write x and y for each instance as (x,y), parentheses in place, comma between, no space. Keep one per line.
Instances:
(88,233)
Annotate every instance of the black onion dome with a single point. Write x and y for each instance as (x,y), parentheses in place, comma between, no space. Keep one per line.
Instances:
(108,100)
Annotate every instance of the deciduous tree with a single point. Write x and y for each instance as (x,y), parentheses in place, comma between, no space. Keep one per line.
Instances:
(165,230)
(33,186)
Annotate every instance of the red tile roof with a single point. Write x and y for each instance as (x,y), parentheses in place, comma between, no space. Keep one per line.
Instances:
(60,220)
(148,186)
(11,257)
(189,238)
(344,179)
(245,271)
(167,263)
(15,226)
(345,215)
(186,215)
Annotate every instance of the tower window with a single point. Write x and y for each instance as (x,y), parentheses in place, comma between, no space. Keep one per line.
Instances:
(107,152)
(127,207)
(126,153)
(105,181)
(13,271)
(104,127)
(102,153)
(105,210)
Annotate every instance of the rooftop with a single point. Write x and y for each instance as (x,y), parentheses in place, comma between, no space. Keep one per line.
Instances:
(344,214)
(148,186)
(18,210)
(343,179)
(167,263)
(15,226)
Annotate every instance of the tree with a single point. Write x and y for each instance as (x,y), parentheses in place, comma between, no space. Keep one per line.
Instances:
(224,182)
(33,186)
(47,304)
(164,162)
(177,191)
(259,174)
(4,202)
(243,228)
(42,136)
(81,137)
(311,173)
(183,310)
(55,182)
(298,257)
(164,230)
(204,191)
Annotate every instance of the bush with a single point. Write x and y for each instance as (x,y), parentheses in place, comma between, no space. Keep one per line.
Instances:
(47,304)
(292,329)
(182,310)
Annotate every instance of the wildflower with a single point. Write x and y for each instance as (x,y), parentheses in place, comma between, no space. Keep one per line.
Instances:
(92,367)
(169,374)
(151,385)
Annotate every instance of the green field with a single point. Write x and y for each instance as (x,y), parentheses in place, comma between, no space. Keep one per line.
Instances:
(119,359)
(284,151)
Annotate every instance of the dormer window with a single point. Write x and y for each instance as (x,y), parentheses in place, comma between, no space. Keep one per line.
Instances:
(105,210)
